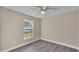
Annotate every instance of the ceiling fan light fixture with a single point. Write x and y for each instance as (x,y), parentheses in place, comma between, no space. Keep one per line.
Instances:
(43,12)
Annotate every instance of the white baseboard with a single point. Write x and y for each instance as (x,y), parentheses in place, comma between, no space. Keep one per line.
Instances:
(9,49)
(61,43)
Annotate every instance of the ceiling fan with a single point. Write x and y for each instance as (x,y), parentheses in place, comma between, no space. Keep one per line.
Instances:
(45,9)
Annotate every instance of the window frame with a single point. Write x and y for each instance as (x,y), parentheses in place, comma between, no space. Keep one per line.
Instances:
(32,29)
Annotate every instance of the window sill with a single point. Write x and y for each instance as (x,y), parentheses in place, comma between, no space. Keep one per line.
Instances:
(27,38)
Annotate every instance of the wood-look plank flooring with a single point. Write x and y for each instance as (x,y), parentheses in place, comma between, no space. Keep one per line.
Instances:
(44,46)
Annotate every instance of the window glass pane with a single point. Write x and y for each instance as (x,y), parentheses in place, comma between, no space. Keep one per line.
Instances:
(28,29)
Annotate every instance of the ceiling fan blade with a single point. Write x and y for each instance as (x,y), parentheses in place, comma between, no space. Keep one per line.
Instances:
(52,8)
(46,8)
(43,8)
(40,7)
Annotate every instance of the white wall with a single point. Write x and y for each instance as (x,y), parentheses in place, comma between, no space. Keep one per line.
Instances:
(0,28)
(12,27)
(78,28)
(63,28)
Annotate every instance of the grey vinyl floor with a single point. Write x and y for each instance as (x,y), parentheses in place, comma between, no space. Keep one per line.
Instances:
(44,46)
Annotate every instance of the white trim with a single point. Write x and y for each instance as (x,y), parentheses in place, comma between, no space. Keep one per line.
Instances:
(61,43)
(9,49)
(28,38)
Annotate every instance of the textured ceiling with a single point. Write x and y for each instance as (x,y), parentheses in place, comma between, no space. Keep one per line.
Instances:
(35,12)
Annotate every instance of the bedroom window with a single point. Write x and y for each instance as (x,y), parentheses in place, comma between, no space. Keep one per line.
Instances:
(28,29)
